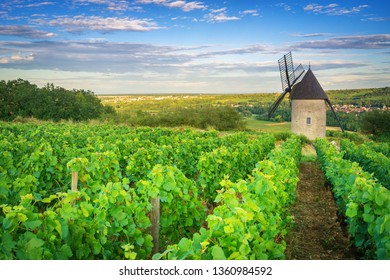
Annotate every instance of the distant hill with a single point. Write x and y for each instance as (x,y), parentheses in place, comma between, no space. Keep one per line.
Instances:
(376,97)
(361,97)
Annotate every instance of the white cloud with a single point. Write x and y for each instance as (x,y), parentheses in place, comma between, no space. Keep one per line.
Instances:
(237,51)
(186,7)
(24,31)
(97,55)
(310,34)
(376,19)
(118,6)
(285,6)
(16,59)
(376,41)
(93,1)
(94,56)
(333,9)
(81,23)
(219,15)
(254,13)
(112,5)
(183,5)
(38,4)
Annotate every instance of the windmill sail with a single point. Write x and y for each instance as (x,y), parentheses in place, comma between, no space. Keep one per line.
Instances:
(289,76)
(298,72)
(277,102)
(334,114)
(286,68)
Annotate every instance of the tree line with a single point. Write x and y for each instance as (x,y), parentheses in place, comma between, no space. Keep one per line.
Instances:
(20,98)
(216,117)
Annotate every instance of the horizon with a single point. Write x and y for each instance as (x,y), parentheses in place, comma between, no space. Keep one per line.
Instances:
(228,93)
(125,47)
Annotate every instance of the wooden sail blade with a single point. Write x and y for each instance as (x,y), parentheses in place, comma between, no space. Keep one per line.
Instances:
(277,102)
(286,69)
(298,72)
(334,113)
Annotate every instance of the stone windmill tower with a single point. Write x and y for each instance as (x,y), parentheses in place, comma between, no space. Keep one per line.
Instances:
(307,98)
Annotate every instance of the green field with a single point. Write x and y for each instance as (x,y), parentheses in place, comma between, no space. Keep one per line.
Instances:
(272,127)
(268,126)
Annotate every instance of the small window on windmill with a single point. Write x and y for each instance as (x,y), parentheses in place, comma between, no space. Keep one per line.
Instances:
(308,120)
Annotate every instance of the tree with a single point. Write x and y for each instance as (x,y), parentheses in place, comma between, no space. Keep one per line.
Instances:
(21,98)
(376,122)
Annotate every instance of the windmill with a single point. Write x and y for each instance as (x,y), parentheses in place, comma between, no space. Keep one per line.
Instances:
(307,99)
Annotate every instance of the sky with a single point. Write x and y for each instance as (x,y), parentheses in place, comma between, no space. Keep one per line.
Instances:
(185,46)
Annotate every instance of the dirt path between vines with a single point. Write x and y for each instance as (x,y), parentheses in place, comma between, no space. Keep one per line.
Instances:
(317,233)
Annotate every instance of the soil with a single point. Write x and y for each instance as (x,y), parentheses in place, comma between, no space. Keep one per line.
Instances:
(317,233)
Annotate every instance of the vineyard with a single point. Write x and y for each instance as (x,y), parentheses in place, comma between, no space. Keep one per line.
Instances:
(219,196)
(359,196)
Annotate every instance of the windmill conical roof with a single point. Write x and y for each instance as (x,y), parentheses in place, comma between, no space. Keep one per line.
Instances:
(308,88)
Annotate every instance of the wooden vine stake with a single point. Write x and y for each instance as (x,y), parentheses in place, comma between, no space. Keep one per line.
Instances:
(75,178)
(155,219)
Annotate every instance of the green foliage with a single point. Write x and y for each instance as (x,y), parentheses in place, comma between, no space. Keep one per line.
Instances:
(376,97)
(283,136)
(109,224)
(181,207)
(234,161)
(349,121)
(218,117)
(105,219)
(383,148)
(336,134)
(364,202)
(251,217)
(20,98)
(187,152)
(40,158)
(370,160)
(144,159)
(376,122)
(176,110)
(120,169)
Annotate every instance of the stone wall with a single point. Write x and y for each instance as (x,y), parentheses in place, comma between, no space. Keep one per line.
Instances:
(308,117)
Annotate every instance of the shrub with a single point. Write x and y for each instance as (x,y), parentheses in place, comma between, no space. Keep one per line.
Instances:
(376,122)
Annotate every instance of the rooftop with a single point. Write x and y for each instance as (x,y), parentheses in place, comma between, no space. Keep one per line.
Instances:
(308,88)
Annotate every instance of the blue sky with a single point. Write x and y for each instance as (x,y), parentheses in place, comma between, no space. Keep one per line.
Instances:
(184,46)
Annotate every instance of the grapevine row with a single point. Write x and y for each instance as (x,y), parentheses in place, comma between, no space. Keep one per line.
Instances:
(370,160)
(251,217)
(40,158)
(108,217)
(110,224)
(383,148)
(234,161)
(364,202)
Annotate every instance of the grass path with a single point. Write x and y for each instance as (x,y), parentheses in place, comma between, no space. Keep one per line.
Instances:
(317,233)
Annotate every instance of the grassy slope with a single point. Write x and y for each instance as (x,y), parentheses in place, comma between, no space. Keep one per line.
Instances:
(272,127)
(267,126)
